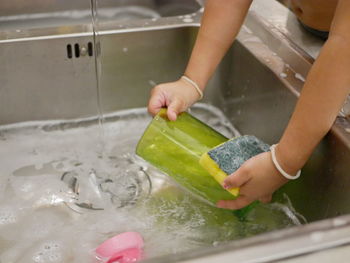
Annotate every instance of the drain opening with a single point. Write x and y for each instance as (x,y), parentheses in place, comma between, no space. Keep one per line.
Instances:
(92,192)
(80,51)
(90,49)
(69,51)
(77,50)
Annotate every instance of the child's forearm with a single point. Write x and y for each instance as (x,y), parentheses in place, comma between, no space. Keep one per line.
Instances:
(323,95)
(220,24)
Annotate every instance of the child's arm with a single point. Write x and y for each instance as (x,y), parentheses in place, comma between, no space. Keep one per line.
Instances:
(221,22)
(323,94)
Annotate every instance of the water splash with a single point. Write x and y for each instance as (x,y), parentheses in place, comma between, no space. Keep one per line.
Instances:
(35,211)
(98,65)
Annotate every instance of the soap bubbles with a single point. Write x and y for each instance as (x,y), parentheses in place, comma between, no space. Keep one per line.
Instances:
(62,193)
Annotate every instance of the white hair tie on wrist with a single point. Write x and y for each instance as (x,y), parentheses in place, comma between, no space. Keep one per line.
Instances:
(195,85)
(279,168)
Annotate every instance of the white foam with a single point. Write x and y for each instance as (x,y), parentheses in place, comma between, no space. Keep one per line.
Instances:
(283,75)
(36,225)
(300,77)
(7,216)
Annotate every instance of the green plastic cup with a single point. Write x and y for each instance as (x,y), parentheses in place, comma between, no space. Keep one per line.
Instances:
(175,148)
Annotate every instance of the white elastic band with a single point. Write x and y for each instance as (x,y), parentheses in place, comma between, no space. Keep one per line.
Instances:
(279,168)
(195,85)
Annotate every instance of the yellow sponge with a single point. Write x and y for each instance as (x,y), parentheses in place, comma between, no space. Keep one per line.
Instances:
(226,158)
(214,170)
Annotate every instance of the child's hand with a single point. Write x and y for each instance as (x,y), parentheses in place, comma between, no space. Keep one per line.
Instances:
(178,96)
(257,178)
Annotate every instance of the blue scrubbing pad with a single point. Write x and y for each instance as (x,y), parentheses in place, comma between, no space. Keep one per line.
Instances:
(233,153)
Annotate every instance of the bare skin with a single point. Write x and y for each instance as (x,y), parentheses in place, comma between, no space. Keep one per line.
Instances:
(317,14)
(323,94)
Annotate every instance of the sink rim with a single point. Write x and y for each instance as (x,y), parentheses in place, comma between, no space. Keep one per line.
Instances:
(276,245)
(107,27)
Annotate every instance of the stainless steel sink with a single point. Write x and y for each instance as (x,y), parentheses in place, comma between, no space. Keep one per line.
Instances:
(49,74)
(34,14)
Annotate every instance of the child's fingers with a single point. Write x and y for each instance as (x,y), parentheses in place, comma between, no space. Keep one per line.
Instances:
(265,199)
(174,109)
(156,102)
(238,203)
(237,179)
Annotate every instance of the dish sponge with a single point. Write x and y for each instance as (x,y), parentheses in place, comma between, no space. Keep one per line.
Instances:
(227,157)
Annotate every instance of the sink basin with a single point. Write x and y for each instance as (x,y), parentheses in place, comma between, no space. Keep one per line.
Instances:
(49,102)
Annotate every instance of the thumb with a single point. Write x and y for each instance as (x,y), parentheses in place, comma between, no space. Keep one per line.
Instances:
(156,102)
(238,203)
(174,109)
(237,179)
(265,199)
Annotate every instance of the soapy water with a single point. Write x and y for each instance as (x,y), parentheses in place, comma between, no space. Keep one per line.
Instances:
(64,191)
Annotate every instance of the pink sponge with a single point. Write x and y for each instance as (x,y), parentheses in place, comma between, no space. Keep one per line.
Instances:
(124,248)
